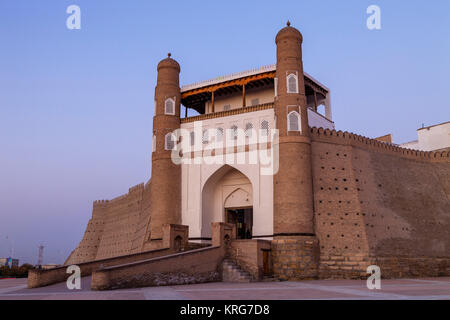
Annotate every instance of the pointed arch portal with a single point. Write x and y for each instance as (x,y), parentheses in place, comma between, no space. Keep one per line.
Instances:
(227,196)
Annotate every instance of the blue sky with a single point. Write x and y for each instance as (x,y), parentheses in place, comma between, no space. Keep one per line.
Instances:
(76,106)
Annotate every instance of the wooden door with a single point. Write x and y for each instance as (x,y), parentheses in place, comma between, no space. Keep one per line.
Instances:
(266,262)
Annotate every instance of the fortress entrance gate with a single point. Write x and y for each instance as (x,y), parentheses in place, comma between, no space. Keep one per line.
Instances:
(243,219)
(227,196)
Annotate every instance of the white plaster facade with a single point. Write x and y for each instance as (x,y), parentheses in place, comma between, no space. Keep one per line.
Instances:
(208,189)
(431,138)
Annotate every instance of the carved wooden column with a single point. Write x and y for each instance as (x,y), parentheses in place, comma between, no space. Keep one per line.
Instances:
(315,100)
(212,101)
(243,95)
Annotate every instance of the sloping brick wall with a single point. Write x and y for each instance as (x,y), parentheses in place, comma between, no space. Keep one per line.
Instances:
(117,227)
(196,266)
(41,278)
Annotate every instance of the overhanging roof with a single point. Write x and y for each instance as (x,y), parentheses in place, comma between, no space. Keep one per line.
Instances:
(243,74)
(193,95)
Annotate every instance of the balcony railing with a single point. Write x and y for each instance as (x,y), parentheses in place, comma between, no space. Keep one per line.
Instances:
(227,113)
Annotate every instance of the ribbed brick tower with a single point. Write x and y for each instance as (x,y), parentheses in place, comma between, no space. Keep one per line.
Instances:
(165,197)
(295,247)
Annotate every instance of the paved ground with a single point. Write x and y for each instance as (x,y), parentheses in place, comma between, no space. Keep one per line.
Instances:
(425,288)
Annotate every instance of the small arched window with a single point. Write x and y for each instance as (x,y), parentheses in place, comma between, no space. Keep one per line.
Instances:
(169,106)
(153,143)
(233,132)
(178,243)
(249,130)
(294,121)
(264,128)
(292,83)
(219,135)
(205,137)
(169,140)
(192,137)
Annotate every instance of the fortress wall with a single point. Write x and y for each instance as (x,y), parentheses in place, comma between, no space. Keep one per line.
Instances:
(88,246)
(117,227)
(339,225)
(406,210)
(143,222)
(379,204)
(354,140)
(120,223)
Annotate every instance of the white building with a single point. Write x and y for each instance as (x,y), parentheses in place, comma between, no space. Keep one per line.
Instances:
(431,138)
(237,192)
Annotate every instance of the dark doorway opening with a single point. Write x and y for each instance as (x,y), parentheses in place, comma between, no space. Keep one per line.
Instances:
(266,262)
(243,219)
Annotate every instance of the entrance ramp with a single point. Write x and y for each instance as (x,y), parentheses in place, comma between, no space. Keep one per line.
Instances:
(175,239)
(194,266)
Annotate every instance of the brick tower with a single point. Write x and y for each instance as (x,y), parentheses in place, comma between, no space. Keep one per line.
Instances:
(165,197)
(294,239)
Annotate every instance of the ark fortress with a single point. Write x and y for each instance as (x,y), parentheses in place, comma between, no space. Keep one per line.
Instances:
(337,203)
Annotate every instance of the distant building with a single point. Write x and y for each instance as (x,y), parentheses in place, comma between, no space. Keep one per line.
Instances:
(386,138)
(9,262)
(431,138)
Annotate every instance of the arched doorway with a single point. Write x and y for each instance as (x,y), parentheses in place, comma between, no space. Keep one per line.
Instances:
(239,212)
(178,244)
(227,196)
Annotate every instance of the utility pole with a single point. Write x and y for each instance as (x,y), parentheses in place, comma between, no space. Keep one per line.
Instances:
(41,255)
(11,247)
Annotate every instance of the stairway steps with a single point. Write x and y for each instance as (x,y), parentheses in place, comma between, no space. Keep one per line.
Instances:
(232,272)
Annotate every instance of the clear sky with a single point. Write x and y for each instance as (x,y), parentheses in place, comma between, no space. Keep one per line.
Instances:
(76,106)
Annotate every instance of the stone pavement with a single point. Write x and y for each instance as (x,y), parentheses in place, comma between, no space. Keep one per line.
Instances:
(391,289)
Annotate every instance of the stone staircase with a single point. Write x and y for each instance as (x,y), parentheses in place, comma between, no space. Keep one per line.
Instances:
(231,272)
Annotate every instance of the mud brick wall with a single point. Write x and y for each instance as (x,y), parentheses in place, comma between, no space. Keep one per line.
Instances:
(379,204)
(197,266)
(344,266)
(40,278)
(141,233)
(248,255)
(295,258)
(401,266)
(117,227)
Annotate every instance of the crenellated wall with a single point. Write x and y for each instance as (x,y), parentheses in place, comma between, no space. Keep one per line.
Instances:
(354,140)
(376,203)
(117,227)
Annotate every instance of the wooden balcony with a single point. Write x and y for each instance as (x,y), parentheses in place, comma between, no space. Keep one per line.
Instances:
(232,112)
